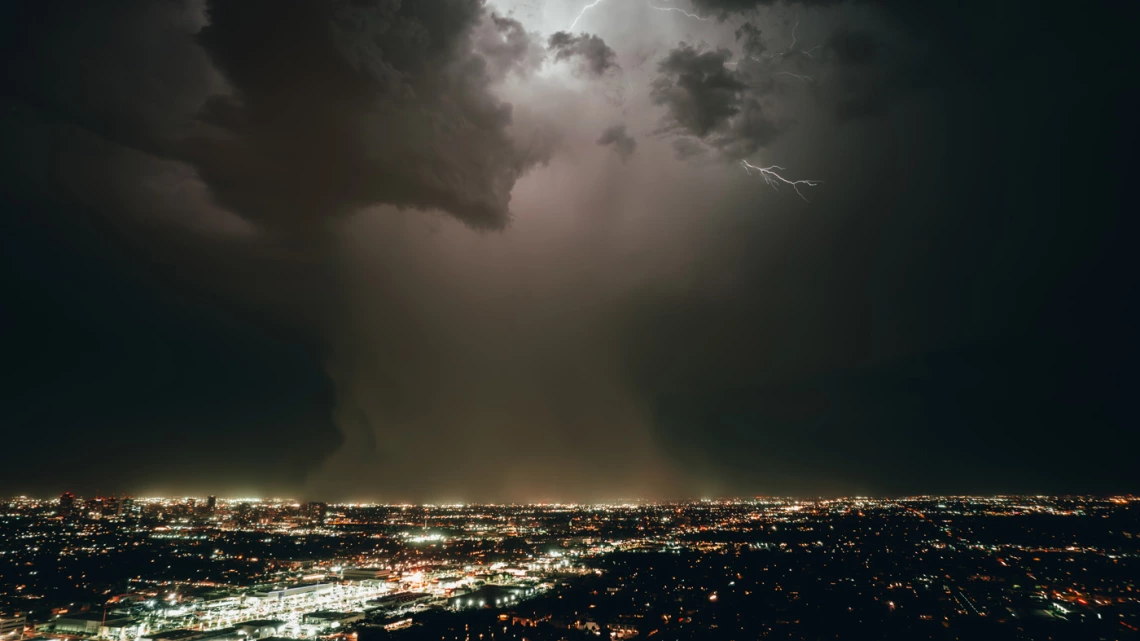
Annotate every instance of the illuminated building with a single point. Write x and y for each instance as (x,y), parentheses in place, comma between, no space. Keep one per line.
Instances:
(66,504)
(365,574)
(93,624)
(317,512)
(261,628)
(11,627)
(292,594)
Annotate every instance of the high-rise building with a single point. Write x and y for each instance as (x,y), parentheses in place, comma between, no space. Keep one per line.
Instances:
(211,504)
(66,504)
(317,511)
(93,507)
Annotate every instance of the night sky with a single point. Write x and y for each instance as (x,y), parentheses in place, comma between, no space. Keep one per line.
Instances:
(442,250)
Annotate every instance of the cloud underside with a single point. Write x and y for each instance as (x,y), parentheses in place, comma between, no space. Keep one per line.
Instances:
(294,113)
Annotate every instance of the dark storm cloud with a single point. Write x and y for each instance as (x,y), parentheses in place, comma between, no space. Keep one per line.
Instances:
(129,72)
(705,99)
(942,298)
(338,106)
(314,109)
(933,355)
(849,74)
(723,9)
(163,197)
(752,130)
(700,94)
(596,56)
(622,143)
(748,35)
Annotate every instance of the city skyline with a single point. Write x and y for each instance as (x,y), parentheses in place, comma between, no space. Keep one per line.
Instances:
(239,498)
(939,568)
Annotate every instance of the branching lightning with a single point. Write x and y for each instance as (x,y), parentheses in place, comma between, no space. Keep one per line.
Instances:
(771,175)
(789,50)
(678,10)
(792,47)
(582,13)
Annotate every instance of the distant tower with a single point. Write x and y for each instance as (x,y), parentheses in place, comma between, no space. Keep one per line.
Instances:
(66,504)
(211,504)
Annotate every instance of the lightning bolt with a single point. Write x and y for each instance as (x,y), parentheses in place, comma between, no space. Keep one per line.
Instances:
(583,12)
(792,46)
(771,175)
(678,10)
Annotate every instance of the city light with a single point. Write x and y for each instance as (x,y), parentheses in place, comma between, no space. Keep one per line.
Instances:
(234,570)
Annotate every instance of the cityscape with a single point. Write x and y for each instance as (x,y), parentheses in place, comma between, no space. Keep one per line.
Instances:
(924,567)
(569,320)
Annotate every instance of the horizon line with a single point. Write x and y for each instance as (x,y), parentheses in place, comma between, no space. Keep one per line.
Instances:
(612,503)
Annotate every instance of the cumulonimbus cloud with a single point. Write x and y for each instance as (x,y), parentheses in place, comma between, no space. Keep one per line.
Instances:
(342,105)
(294,113)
